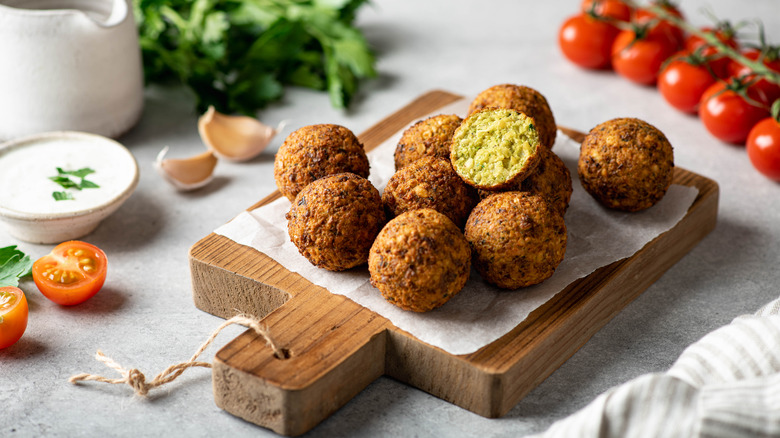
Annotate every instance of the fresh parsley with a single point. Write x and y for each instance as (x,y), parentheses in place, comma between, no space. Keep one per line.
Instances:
(14,264)
(72,179)
(238,55)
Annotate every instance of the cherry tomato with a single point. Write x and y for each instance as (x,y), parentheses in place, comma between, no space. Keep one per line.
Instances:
(770,90)
(682,83)
(639,54)
(763,148)
(665,28)
(71,273)
(587,41)
(718,62)
(724,32)
(727,115)
(615,9)
(13,315)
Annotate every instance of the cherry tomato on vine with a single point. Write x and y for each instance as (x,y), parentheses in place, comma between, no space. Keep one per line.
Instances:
(727,115)
(615,9)
(763,145)
(771,59)
(718,62)
(71,273)
(683,81)
(13,315)
(587,41)
(665,28)
(638,55)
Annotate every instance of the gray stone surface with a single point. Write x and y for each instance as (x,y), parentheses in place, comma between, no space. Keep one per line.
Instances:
(145,318)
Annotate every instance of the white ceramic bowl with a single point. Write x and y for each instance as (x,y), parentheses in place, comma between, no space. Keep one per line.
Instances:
(27,205)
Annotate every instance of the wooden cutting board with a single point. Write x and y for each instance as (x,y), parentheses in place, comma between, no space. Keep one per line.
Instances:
(334,347)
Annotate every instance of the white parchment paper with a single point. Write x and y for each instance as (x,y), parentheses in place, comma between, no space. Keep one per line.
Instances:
(480,313)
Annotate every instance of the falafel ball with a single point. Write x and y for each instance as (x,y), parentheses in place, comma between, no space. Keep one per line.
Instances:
(516,239)
(428,137)
(626,164)
(521,99)
(315,151)
(430,182)
(495,148)
(551,179)
(419,260)
(334,220)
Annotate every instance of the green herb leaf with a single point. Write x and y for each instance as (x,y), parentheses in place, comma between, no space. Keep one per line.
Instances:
(62,196)
(238,55)
(85,184)
(65,180)
(14,264)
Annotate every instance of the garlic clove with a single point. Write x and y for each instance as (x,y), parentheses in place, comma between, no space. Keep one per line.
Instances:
(234,138)
(187,173)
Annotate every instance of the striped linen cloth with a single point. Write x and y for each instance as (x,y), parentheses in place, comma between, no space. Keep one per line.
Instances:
(725,385)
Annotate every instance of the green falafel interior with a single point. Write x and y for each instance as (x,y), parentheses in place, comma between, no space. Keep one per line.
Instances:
(494,147)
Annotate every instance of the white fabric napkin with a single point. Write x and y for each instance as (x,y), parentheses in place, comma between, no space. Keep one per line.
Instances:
(480,313)
(725,385)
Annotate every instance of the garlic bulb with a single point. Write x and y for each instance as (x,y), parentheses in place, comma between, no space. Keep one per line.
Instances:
(234,138)
(187,173)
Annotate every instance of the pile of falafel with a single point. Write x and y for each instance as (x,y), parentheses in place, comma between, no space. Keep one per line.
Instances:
(485,191)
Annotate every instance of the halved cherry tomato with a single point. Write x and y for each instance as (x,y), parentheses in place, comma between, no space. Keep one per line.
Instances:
(71,273)
(13,315)
(727,115)
(615,9)
(684,80)
(587,41)
(638,54)
(763,148)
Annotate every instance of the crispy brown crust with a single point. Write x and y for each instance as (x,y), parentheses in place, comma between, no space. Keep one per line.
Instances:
(428,137)
(530,166)
(626,164)
(419,260)
(315,151)
(522,99)
(430,182)
(551,179)
(334,220)
(516,239)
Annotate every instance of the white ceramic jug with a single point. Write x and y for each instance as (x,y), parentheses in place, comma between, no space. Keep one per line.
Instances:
(68,65)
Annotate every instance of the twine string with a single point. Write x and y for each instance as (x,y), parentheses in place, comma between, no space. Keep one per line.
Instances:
(137,380)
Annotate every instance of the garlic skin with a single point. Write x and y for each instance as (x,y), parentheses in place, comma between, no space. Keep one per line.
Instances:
(234,138)
(187,173)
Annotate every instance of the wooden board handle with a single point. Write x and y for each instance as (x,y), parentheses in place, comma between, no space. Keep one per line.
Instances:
(335,349)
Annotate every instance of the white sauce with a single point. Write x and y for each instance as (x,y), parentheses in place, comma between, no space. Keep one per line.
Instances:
(25,170)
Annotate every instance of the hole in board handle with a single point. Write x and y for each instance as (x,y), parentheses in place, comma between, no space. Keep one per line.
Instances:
(285,354)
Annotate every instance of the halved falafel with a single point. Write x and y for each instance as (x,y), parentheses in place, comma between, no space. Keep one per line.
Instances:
(333,221)
(419,260)
(626,164)
(516,239)
(315,151)
(495,148)
(521,99)
(551,180)
(427,137)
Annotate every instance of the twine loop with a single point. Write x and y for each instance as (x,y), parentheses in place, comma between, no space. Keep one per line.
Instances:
(137,380)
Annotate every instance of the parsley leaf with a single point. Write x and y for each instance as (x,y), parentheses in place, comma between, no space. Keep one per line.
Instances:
(238,55)
(65,178)
(14,264)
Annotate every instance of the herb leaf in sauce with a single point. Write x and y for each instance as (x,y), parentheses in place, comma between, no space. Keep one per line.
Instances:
(67,180)
(62,196)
